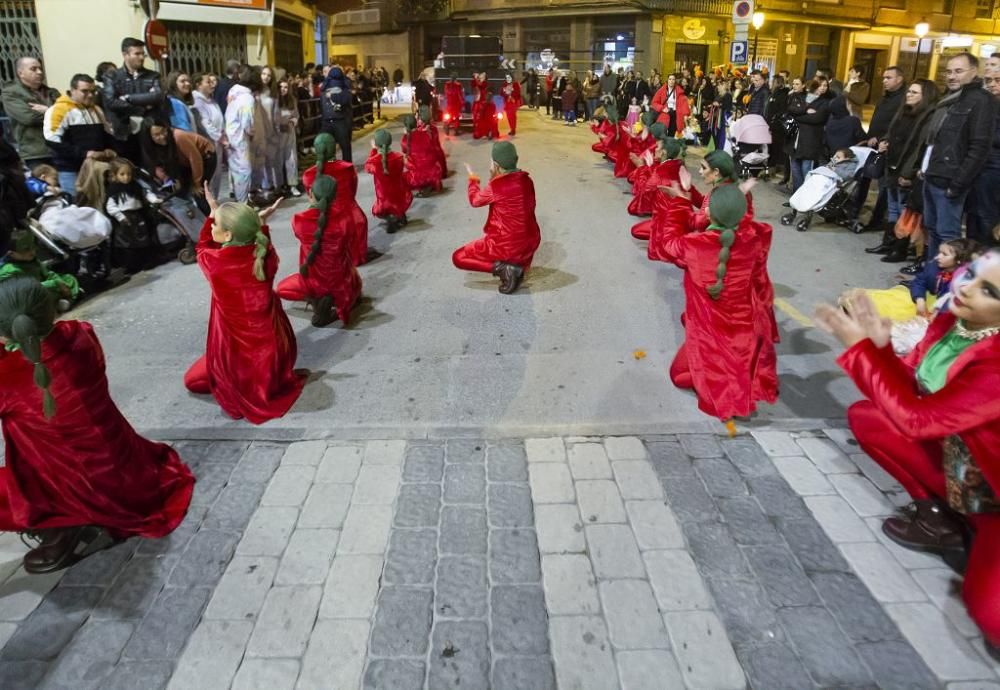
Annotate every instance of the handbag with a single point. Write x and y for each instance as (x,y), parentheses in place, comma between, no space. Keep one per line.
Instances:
(790,126)
(874,167)
(909,222)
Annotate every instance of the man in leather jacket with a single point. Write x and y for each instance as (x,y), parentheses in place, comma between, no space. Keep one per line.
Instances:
(131,91)
(336,100)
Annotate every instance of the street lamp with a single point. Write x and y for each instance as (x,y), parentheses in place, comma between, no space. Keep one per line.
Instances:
(921,30)
(758,21)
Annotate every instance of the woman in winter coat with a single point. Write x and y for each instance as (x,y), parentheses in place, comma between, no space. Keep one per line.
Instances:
(530,90)
(591,94)
(842,130)
(811,114)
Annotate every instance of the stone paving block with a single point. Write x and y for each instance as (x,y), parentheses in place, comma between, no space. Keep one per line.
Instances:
(974,685)
(844,439)
(803,476)
(944,588)
(614,551)
(341,464)
(326,506)
(402,622)
(570,585)
(654,525)
(22,675)
(266,674)
(336,655)
(514,556)
(878,476)
(545,450)
(102,568)
(232,510)
(196,454)
(139,675)
(700,445)
(423,463)
(687,497)
(703,651)
(600,501)
(716,552)
(462,589)
(911,560)
(632,616)
(589,461)
(895,666)
(776,497)
(826,456)
(669,459)
(376,485)
(777,443)
(507,462)
(460,656)
(676,582)
(44,633)
(351,587)
(289,486)
(883,575)
(463,530)
(257,464)
(582,653)
(747,612)
(399,674)
(241,592)
(624,448)
(7,631)
(783,578)
(465,450)
(21,593)
(559,528)
(650,669)
(814,550)
(212,655)
(307,559)
(286,622)
(746,521)
(862,495)
(827,655)
(523,673)
(637,480)
(720,477)
(774,666)
(169,623)
(384,452)
(211,478)
(509,505)
(857,611)
(464,483)
(838,519)
(89,658)
(412,557)
(418,505)
(175,542)
(519,623)
(205,559)
(303,453)
(748,457)
(551,483)
(268,532)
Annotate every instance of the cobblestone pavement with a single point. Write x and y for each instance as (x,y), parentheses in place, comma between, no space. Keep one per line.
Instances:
(688,561)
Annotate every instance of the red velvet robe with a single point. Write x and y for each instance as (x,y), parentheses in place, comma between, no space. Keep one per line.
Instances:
(86,465)
(392,194)
(602,131)
(511,233)
(478,91)
(486,121)
(638,145)
(511,102)
(617,147)
(727,354)
(331,272)
(648,180)
(442,159)
(424,165)
(454,96)
(346,204)
(251,349)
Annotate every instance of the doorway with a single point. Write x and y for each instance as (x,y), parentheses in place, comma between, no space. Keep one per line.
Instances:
(689,54)
(873,62)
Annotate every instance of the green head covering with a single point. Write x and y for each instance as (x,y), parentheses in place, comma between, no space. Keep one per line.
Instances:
(245,226)
(424,113)
(724,163)
(673,147)
(409,123)
(611,110)
(648,118)
(659,131)
(326,150)
(324,191)
(726,207)
(383,141)
(27,315)
(23,241)
(505,155)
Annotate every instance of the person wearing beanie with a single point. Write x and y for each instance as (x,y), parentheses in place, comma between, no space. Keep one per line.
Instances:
(636,143)
(392,192)
(727,357)
(454,96)
(76,476)
(511,234)
(511,92)
(326,279)
(661,168)
(346,204)
(485,124)
(249,360)
(423,163)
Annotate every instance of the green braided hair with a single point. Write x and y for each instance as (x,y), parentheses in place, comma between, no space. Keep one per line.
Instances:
(383,140)
(674,147)
(724,163)
(726,207)
(424,113)
(649,118)
(611,110)
(325,147)
(244,224)
(324,191)
(27,315)
(409,124)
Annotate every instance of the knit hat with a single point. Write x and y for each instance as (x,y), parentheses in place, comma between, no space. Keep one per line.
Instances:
(383,140)
(659,131)
(726,207)
(27,315)
(649,118)
(505,155)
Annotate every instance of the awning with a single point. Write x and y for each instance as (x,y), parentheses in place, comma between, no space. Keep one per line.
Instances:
(246,12)
(336,6)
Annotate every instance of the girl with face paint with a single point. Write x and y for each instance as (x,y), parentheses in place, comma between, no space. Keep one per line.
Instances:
(511,92)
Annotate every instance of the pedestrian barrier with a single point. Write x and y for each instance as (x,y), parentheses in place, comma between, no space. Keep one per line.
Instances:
(311,117)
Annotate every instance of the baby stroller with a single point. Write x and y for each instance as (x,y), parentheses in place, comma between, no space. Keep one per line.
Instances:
(181,219)
(825,193)
(751,136)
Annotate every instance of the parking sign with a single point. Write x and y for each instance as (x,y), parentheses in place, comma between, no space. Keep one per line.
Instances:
(738,52)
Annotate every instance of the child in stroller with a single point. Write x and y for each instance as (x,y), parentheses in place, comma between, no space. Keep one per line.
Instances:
(751,136)
(827,190)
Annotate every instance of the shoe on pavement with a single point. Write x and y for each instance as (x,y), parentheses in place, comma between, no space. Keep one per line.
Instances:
(323,314)
(510,276)
(930,527)
(59,549)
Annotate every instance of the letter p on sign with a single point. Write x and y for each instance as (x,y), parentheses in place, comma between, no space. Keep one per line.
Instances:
(738,52)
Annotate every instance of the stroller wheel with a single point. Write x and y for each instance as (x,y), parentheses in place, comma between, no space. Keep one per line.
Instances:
(788,218)
(802,225)
(187,254)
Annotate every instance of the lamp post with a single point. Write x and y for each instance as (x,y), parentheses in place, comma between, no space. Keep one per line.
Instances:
(758,21)
(920,30)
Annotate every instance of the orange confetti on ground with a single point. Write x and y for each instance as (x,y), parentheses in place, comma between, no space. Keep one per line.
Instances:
(731,428)
(639,354)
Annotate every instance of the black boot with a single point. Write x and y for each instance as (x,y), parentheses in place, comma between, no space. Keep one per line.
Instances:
(916,267)
(897,254)
(887,243)
(510,276)
(323,313)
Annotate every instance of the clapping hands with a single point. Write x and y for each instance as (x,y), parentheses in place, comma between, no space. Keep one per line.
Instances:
(856,320)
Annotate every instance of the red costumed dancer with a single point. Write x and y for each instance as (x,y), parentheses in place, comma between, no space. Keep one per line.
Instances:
(604,131)
(347,206)
(511,234)
(425,121)
(251,347)
(661,170)
(486,124)
(932,421)
(423,164)
(454,96)
(672,105)
(636,145)
(479,89)
(392,193)
(73,462)
(327,277)
(511,92)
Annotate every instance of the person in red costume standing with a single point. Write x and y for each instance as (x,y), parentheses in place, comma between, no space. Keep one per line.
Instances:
(74,467)
(423,163)
(250,353)
(932,421)
(660,168)
(511,92)
(728,354)
(326,279)
(346,204)
(671,104)
(392,194)
(479,88)
(454,97)
(486,124)
(511,234)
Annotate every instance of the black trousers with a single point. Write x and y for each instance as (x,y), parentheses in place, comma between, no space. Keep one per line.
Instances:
(340,130)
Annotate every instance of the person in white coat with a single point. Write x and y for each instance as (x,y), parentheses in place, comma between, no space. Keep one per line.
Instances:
(212,121)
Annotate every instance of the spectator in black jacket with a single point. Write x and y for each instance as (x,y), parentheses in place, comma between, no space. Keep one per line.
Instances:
(811,114)
(337,117)
(776,105)
(842,130)
(984,202)
(759,94)
(131,93)
(894,85)
(15,200)
(226,82)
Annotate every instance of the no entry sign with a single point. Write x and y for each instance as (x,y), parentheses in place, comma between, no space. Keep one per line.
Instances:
(157,42)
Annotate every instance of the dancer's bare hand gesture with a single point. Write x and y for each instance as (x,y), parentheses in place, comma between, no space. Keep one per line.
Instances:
(269,211)
(213,203)
(856,320)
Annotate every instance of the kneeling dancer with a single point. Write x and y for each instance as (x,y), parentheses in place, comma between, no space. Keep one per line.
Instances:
(392,193)
(511,234)
(346,204)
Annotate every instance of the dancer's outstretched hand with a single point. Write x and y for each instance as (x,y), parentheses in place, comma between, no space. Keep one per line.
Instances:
(748,184)
(675,191)
(685,178)
(470,171)
(269,211)
(856,320)
(213,203)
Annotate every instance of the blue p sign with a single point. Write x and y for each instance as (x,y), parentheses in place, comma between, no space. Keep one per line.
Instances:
(738,52)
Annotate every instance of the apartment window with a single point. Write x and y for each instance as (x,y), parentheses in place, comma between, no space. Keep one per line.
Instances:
(984,9)
(893,4)
(319,38)
(941,6)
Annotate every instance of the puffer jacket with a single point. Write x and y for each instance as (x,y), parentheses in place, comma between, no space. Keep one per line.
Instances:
(144,97)
(336,98)
(27,124)
(962,142)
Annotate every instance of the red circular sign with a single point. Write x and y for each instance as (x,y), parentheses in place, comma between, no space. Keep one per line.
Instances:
(155,35)
(743,9)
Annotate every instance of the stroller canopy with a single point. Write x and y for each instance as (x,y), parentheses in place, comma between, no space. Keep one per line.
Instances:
(750,129)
